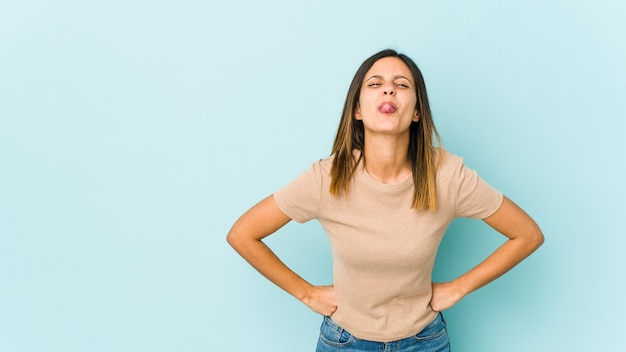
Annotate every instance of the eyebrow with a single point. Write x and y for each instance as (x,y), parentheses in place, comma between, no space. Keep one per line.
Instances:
(394,77)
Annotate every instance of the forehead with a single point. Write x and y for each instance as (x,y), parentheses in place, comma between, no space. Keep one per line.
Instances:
(391,67)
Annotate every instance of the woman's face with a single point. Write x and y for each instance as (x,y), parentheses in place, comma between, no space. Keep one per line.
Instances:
(388,99)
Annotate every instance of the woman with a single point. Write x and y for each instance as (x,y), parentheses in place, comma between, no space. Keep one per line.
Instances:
(385,197)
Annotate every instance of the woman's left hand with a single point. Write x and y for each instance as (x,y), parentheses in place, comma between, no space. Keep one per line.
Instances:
(524,236)
(445,295)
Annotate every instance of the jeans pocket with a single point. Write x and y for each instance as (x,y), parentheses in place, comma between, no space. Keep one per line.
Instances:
(436,329)
(333,335)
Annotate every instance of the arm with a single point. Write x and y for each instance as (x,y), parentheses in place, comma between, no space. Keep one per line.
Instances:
(524,237)
(246,237)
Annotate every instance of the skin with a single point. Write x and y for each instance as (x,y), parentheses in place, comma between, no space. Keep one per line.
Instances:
(386,143)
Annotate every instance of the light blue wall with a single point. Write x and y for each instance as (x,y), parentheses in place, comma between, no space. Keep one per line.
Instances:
(134,133)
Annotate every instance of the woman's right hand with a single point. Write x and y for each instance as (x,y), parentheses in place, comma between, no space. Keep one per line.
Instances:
(321,300)
(246,237)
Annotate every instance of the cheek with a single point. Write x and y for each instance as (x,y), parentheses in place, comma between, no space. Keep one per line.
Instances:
(366,98)
(413,104)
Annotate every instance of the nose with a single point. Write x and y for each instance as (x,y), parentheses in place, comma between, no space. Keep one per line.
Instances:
(389,90)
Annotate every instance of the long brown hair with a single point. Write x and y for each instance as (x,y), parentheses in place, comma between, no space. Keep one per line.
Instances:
(423,143)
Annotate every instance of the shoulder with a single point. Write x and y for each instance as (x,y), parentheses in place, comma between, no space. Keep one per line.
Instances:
(318,172)
(447,162)
(323,166)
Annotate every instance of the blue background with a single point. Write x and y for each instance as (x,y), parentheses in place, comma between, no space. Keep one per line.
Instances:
(134,133)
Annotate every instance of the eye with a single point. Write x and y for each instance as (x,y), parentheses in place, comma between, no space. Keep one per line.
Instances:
(403,85)
(373,84)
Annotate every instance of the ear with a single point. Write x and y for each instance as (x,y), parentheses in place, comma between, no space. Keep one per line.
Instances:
(416,116)
(357,112)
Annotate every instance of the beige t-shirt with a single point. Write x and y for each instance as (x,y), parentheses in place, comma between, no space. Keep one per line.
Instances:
(383,250)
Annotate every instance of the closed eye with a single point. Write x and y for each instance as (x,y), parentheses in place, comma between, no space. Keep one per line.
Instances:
(402,83)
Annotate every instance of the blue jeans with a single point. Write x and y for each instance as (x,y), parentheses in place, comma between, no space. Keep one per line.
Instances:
(433,338)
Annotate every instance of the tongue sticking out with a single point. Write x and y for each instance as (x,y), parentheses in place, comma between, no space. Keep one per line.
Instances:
(387,108)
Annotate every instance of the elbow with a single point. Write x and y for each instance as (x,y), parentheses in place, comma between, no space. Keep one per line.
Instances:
(536,239)
(233,238)
(238,238)
(240,241)
(540,239)
(229,238)
(529,239)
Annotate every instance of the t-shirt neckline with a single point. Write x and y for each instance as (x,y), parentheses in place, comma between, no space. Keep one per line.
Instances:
(385,187)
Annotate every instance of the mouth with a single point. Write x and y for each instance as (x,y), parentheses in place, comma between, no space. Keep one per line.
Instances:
(387,108)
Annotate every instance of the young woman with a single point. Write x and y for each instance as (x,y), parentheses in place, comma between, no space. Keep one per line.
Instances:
(385,197)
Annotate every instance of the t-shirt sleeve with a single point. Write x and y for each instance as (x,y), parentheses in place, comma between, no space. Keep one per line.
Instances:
(475,198)
(300,199)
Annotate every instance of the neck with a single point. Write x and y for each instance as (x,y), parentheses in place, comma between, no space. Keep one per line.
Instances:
(386,158)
